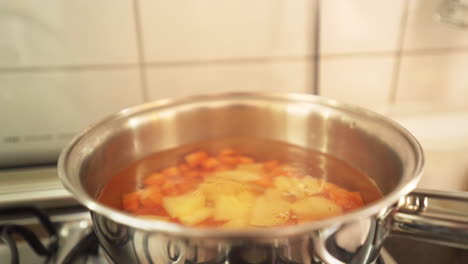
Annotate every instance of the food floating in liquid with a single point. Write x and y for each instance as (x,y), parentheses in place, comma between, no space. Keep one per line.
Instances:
(228,189)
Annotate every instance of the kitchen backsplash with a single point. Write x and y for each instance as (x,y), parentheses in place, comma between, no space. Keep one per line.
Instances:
(379,54)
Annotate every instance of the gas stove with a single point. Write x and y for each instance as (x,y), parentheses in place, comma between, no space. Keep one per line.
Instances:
(41,223)
(33,235)
(62,235)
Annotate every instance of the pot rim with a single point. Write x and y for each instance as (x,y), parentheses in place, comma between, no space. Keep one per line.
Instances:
(406,184)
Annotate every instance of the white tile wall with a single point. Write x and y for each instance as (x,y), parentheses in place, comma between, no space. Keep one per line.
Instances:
(210,46)
(439,79)
(423,32)
(350,26)
(360,81)
(44,110)
(210,30)
(64,101)
(290,76)
(64,64)
(38,33)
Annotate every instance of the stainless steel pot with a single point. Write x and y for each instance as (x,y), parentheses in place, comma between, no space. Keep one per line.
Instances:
(377,146)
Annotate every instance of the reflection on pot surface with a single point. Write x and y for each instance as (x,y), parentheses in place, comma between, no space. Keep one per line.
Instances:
(378,147)
(357,242)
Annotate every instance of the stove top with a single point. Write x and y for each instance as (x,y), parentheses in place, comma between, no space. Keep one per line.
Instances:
(61,235)
(32,235)
(65,236)
(72,225)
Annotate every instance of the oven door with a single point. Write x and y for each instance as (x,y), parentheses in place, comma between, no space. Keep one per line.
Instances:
(40,115)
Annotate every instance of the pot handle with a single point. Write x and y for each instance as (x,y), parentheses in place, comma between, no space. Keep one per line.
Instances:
(437,217)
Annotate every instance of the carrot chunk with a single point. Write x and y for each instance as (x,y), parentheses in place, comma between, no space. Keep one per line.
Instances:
(188,185)
(244,183)
(346,199)
(193,173)
(179,188)
(149,211)
(211,222)
(210,163)
(224,167)
(279,171)
(154,179)
(184,168)
(226,152)
(131,201)
(270,165)
(196,158)
(151,197)
(228,160)
(245,160)
(171,171)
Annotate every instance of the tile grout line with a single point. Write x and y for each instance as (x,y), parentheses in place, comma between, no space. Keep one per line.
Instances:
(229,61)
(85,67)
(68,67)
(140,50)
(435,51)
(337,56)
(316,56)
(398,55)
(362,54)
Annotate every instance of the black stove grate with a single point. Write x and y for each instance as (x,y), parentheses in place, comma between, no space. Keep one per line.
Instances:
(9,232)
(86,246)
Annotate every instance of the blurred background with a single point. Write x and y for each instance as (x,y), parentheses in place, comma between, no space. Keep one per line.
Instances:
(373,53)
(65,64)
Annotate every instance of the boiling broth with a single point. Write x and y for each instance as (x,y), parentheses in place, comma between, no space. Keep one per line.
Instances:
(239,183)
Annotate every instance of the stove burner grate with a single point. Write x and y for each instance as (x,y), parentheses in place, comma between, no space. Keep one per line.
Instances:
(9,232)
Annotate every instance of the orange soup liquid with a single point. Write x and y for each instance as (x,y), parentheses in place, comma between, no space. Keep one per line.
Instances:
(239,183)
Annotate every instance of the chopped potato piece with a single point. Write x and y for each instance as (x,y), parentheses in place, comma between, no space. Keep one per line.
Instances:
(189,208)
(233,207)
(237,223)
(270,210)
(265,181)
(313,208)
(238,175)
(155,217)
(232,190)
(197,216)
(214,186)
(273,194)
(254,167)
(299,187)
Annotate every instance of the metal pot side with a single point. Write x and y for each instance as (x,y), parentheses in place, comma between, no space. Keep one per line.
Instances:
(375,145)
